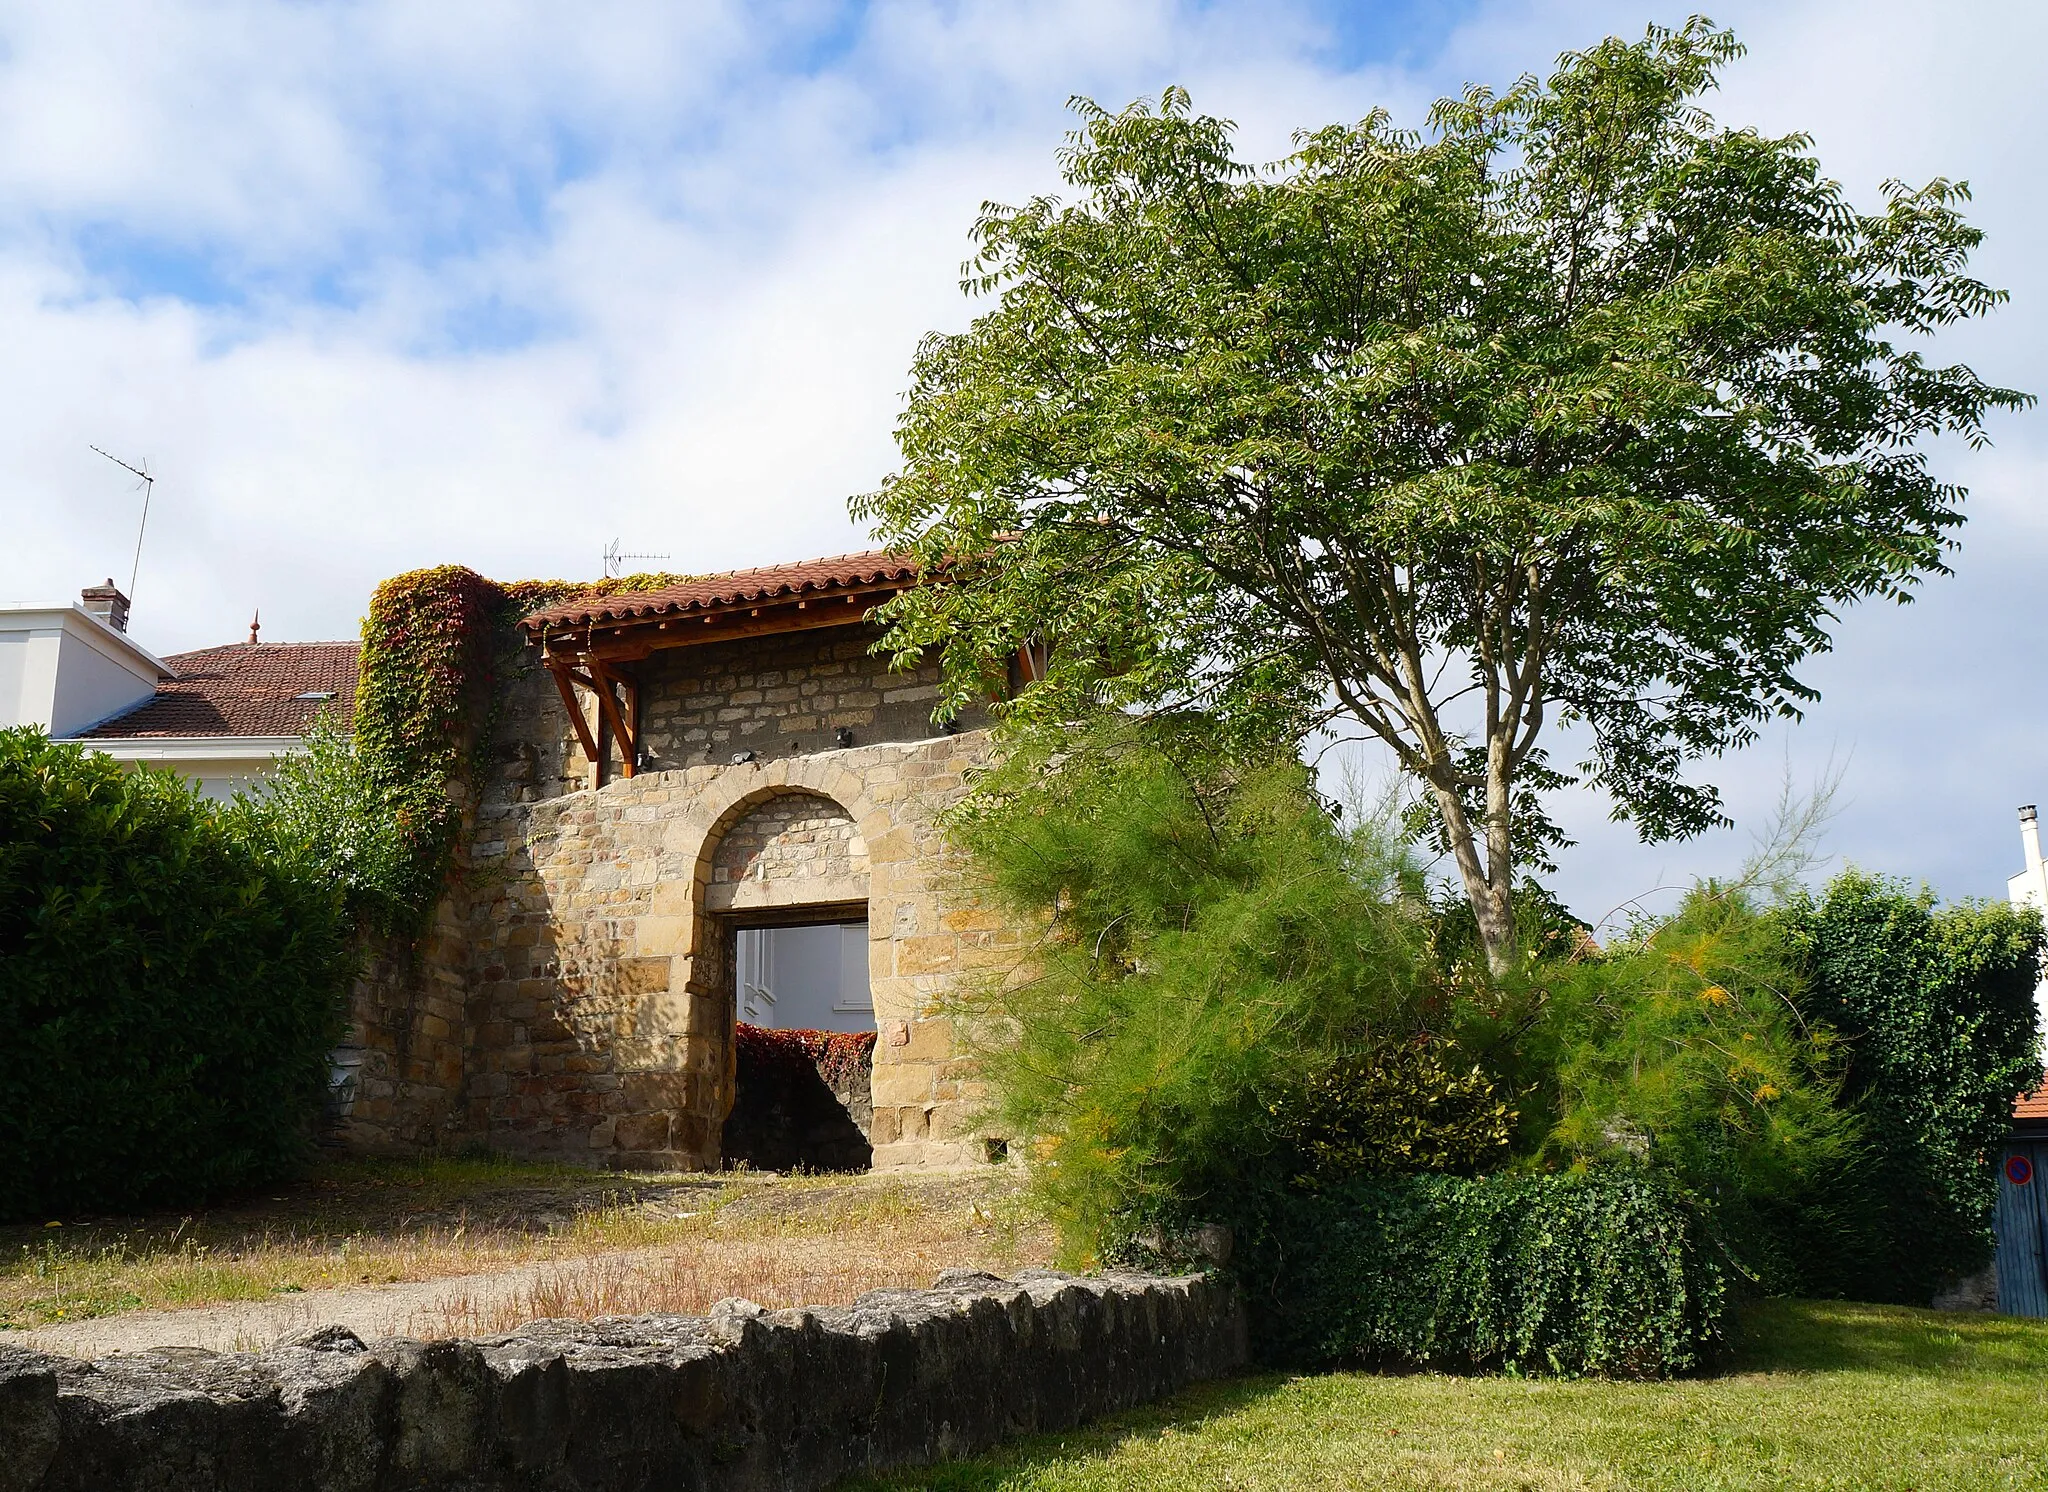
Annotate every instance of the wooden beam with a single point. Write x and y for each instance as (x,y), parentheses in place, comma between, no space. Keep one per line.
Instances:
(633,715)
(608,702)
(631,642)
(632,650)
(575,708)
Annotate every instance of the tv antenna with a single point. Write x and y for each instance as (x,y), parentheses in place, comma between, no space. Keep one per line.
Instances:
(148,487)
(614,562)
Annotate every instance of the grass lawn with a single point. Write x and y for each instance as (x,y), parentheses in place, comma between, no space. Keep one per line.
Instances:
(1819,1395)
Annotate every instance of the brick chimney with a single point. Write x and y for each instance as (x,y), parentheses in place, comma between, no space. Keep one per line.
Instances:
(107,603)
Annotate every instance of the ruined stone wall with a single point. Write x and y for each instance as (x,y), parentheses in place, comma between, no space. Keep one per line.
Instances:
(574,999)
(600,986)
(743,1399)
(401,1072)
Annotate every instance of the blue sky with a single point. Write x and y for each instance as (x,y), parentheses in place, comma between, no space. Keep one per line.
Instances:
(378,285)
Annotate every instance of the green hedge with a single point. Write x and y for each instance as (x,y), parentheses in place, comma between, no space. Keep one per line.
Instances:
(1935,1008)
(1606,1272)
(171,982)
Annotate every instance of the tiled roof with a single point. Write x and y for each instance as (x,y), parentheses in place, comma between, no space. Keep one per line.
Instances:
(734,588)
(2033,1105)
(246,689)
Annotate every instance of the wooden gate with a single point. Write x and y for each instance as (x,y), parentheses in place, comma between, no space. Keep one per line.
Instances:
(2022,1224)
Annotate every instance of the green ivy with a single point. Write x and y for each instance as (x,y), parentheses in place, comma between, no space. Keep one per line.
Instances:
(1935,1005)
(1608,1272)
(434,643)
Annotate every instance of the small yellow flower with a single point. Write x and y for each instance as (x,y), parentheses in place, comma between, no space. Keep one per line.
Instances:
(1713,994)
(1766,1093)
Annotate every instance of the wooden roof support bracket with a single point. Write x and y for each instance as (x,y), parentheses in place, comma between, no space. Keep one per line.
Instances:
(560,669)
(629,748)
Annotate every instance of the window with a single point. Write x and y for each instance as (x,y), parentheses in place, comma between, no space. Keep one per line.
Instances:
(811,978)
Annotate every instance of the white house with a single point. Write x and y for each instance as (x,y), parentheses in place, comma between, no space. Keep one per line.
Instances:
(2030,888)
(67,667)
(219,716)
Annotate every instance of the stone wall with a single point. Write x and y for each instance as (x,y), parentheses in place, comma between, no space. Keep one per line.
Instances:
(401,1073)
(779,696)
(574,999)
(743,1399)
(600,943)
(795,849)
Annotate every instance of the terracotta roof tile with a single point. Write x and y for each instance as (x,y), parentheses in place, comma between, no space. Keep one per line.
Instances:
(2033,1105)
(245,689)
(734,588)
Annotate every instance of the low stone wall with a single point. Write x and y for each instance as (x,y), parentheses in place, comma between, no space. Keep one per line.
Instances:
(743,1398)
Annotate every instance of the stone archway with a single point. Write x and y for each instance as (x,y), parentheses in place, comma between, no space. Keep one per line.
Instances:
(782,841)
(604,1025)
(785,937)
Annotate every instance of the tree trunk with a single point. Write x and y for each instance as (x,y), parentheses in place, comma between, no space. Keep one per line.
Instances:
(1492,902)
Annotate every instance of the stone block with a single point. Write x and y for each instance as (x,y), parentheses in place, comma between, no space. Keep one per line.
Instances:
(643,975)
(902,1083)
(935,954)
(929,1041)
(641,1131)
(657,1090)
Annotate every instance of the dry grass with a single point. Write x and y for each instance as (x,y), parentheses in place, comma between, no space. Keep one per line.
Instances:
(608,1244)
(775,1271)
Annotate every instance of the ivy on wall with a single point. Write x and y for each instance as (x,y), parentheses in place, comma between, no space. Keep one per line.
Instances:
(432,649)
(835,1054)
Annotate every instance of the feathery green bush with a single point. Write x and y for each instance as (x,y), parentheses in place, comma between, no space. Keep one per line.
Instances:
(1683,1046)
(1216,949)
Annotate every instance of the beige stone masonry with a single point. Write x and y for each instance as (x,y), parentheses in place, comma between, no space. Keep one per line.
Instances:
(600,981)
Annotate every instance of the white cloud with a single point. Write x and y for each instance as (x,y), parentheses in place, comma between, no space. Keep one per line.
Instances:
(707,261)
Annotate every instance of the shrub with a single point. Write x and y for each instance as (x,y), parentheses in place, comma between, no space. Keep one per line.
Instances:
(1607,1272)
(1404,1106)
(1936,1009)
(1214,946)
(320,804)
(1682,1045)
(170,986)
(789,1104)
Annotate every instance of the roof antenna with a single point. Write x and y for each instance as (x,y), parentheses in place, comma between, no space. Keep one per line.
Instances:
(148,487)
(255,625)
(614,562)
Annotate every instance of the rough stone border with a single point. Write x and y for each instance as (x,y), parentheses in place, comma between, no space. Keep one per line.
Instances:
(743,1398)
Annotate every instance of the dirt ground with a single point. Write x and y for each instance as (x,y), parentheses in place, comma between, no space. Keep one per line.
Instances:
(468,1247)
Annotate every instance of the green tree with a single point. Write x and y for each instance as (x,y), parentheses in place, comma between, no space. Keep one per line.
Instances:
(1574,407)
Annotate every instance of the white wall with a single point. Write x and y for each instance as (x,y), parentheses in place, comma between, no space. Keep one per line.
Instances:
(2030,889)
(14,676)
(95,682)
(65,670)
(221,765)
(811,978)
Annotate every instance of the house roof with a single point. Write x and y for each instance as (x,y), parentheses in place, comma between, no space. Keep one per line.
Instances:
(2033,1105)
(245,689)
(733,589)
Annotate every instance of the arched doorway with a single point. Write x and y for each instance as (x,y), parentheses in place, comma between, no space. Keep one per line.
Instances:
(787,906)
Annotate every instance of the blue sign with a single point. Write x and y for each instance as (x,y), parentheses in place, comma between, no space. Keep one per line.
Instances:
(2018,1170)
